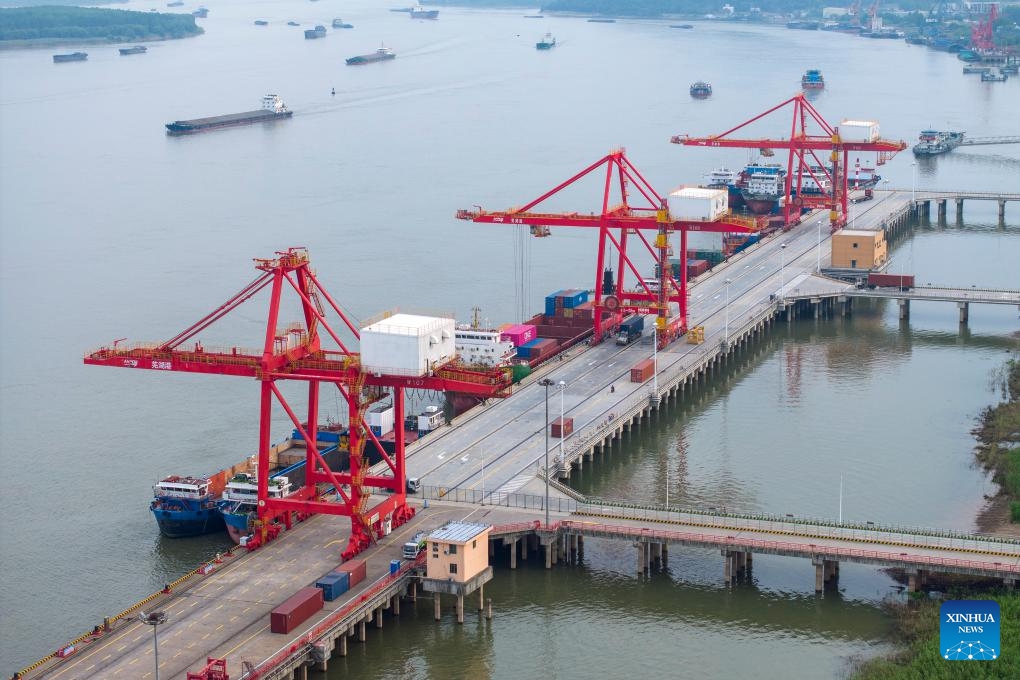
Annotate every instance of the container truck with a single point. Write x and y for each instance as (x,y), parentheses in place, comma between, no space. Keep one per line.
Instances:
(901,281)
(630,330)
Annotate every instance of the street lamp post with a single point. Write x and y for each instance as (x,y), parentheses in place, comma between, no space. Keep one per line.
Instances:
(782,269)
(481,456)
(546,382)
(563,387)
(655,360)
(153,619)
(913,184)
(726,332)
(818,252)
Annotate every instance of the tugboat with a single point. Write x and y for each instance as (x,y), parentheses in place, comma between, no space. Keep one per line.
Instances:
(381,54)
(812,80)
(546,43)
(701,90)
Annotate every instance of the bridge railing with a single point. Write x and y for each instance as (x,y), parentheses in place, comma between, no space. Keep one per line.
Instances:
(808,526)
(498,498)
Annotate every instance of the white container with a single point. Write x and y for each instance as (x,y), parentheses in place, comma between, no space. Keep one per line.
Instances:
(407,344)
(693,203)
(380,419)
(431,419)
(858,130)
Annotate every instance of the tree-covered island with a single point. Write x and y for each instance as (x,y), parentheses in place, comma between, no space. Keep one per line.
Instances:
(51,24)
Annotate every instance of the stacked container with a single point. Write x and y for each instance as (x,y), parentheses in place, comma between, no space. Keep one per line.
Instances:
(356,569)
(696,268)
(295,610)
(642,371)
(519,334)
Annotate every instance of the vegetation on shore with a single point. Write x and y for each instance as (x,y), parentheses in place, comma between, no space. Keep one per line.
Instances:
(916,626)
(999,435)
(84,23)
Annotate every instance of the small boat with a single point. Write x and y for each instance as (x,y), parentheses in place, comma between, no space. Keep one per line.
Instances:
(1010,69)
(201,13)
(175,3)
(701,90)
(546,43)
(73,56)
(534,16)
(186,506)
(681,26)
(993,77)
(293,23)
(381,54)
(261,22)
(934,142)
(812,80)
(137,49)
(976,69)
(419,12)
(339,23)
(601,21)
(318,32)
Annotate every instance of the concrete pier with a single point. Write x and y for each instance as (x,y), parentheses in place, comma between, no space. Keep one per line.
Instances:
(964,311)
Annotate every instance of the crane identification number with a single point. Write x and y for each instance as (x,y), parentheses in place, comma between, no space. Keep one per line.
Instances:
(511,220)
(162,365)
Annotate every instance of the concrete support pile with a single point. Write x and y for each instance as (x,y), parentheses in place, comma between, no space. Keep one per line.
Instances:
(826,574)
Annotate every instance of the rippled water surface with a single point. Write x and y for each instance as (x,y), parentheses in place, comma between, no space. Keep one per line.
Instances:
(109,229)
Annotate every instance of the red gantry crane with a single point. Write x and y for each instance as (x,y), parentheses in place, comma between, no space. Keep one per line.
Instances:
(617,224)
(296,352)
(804,160)
(981,35)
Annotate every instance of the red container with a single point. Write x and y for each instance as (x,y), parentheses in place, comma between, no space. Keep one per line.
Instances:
(295,610)
(562,429)
(356,568)
(642,371)
(901,281)
(696,268)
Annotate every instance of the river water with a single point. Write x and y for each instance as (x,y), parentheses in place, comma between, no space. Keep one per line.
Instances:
(110,229)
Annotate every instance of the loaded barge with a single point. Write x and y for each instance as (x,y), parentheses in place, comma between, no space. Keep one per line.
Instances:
(273,109)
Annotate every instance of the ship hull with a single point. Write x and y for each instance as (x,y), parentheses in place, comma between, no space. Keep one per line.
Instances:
(760,206)
(190,127)
(186,523)
(369,59)
(237,525)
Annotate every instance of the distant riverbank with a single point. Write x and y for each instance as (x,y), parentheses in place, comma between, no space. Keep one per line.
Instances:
(37,26)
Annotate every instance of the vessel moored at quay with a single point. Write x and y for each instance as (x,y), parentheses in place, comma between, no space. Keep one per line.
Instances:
(934,142)
(272,109)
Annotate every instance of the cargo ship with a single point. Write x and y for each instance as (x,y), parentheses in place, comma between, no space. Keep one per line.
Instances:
(239,504)
(186,506)
(272,109)
(419,12)
(763,187)
(73,56)
(546,43)
(812,80)
(318,32)
(724,178)
(381,54)
(934,142)
(701,90)
(137,49)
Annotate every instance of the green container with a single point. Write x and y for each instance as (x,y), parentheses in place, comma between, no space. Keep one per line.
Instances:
(521,371)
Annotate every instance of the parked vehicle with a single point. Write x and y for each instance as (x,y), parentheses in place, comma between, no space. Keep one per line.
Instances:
(901,281)
(414,546)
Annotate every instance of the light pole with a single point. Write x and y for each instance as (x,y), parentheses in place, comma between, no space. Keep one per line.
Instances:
(782,269)
(818,252)
(153,619)
(481,456)
(546,382)
(726,332)
(563,387)
(913,184)
(655,359)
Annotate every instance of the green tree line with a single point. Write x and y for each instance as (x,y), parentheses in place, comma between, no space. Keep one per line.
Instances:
(82,23)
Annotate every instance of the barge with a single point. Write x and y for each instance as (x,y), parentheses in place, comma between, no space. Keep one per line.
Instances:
(273,109)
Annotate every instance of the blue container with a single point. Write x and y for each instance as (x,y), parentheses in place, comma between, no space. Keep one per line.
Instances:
(572,298)
(524,351)
(333,585)
(550,303)
(343,583)
(394,566)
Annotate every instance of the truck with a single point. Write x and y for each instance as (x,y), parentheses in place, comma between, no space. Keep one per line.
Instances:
(414,546)
(630,330)
(901,281)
